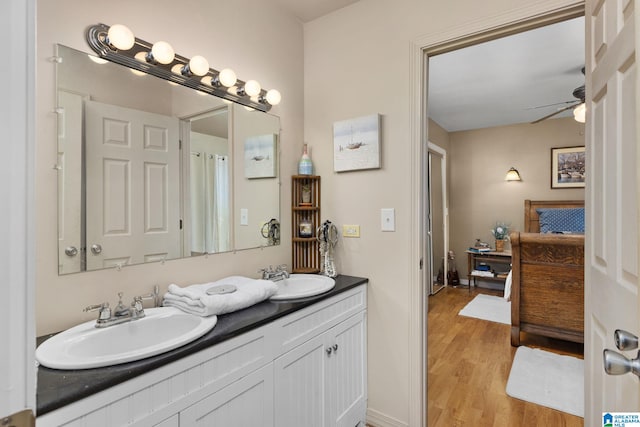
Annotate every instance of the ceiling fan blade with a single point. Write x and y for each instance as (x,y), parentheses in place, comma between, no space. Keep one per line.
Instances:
(551,105)
(568,107)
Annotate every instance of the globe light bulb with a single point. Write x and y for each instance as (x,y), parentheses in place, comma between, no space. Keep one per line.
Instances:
(227,77)
(120,37)
(163,52)
(273,97)
(198,65)
(252,88)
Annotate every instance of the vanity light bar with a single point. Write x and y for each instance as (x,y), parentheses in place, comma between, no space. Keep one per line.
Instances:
(136,54)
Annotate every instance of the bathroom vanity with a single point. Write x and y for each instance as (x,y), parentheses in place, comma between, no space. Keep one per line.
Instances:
(287,363)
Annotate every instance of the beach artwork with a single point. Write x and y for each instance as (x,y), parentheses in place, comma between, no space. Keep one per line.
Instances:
(260,156)
(356,144)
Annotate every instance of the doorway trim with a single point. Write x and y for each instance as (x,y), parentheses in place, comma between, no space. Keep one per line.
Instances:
(533,15)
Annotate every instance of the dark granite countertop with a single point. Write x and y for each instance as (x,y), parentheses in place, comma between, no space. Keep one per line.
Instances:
(57,388)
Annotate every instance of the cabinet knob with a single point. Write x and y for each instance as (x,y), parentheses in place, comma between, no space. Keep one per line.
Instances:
(335,347)
(329,350)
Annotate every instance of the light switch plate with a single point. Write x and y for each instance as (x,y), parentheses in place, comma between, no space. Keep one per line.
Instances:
(351,230)
(388,219)
(244,216)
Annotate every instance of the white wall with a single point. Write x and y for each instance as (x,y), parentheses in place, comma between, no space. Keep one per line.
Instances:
(358,61)
(255,38)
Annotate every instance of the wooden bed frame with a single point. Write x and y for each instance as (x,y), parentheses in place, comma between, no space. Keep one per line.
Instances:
(547,291)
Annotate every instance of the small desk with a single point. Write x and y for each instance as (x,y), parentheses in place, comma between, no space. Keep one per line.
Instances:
(499,262)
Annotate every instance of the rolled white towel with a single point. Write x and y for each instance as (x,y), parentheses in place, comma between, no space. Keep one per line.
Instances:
(195,300)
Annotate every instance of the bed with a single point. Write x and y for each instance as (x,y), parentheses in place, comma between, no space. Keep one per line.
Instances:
(547,290)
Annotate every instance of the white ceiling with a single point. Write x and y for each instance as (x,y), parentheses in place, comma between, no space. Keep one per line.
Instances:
(500,82)
(308,10)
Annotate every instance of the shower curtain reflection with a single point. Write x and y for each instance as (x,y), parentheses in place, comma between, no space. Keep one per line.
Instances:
(219,238)
(210,203)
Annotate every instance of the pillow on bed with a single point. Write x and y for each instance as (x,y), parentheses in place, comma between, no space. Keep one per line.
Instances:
(561,220)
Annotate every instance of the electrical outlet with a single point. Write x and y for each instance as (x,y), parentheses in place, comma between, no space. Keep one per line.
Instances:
(351,231)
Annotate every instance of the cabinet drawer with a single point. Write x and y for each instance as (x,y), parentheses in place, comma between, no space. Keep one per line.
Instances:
(302,325)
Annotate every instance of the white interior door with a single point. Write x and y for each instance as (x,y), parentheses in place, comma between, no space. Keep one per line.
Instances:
(611,252)
(70,254)
(132,186)
(17,213)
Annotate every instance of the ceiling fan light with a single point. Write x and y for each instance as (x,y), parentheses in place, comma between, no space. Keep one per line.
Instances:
(580,113)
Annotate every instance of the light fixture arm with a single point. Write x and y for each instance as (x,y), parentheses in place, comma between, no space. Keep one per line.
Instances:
(97,39)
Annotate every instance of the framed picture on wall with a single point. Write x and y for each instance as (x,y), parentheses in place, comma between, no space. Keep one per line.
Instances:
(260,156)
(356,144)
(568,167)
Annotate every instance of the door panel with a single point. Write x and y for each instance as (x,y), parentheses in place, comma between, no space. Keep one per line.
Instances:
(611,281)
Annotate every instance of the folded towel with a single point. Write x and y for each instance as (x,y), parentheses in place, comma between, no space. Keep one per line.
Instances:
(195,300)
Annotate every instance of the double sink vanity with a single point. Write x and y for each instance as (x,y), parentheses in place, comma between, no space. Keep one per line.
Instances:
(282,362)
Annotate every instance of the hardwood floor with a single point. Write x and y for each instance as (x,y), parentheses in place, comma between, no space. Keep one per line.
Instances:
(469,362)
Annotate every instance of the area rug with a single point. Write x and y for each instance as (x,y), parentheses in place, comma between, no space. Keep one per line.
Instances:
(548,379)
(488,307)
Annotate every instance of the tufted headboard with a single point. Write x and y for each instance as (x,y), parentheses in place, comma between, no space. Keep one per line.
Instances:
(531,218)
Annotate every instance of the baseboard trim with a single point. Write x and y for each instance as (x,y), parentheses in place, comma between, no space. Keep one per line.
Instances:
(378,419)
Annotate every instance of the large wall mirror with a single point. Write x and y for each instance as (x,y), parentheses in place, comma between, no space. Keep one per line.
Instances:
(152,171)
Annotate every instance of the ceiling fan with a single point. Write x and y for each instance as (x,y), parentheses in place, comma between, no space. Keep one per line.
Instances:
(578,93)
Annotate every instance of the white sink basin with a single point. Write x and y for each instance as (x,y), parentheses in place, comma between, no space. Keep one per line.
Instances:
(302,286)
(85,346)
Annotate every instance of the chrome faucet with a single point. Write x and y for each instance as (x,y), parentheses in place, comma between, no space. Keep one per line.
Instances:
(121,313)
(279,273)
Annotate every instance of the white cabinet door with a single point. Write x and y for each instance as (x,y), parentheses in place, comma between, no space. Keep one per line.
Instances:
(247,402)
(346,384)
(323,381)
(300,387)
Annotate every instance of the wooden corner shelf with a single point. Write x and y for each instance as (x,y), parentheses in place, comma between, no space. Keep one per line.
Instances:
(305,250)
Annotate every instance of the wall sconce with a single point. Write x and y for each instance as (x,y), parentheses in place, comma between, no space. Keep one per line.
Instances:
(580,113)
(118,44)
(513,175)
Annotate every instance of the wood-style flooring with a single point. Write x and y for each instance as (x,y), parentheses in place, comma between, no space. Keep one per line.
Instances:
(469,362)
